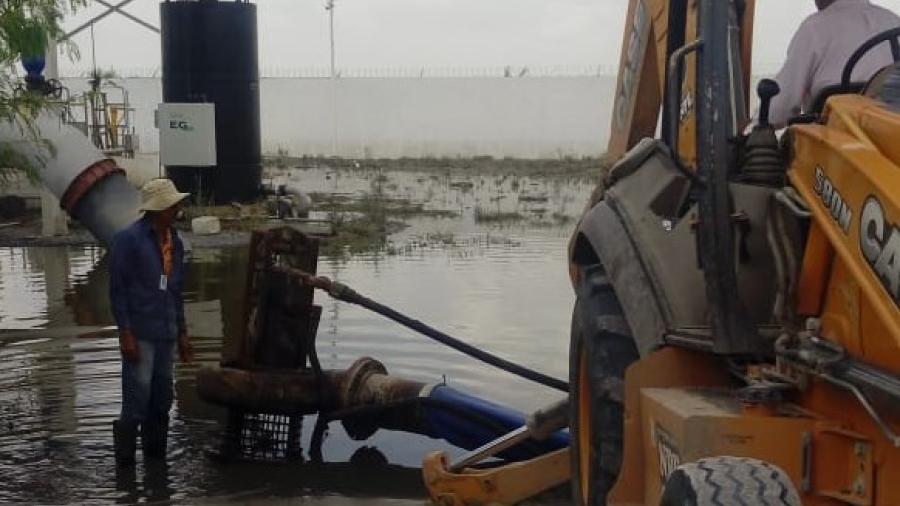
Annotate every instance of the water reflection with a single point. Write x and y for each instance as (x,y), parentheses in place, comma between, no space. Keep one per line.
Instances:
(55,287)
(501,286)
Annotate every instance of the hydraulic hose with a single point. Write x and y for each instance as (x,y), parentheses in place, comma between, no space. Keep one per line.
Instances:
(344,293)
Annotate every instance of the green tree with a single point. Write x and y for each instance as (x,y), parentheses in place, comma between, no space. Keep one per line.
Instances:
(26,26)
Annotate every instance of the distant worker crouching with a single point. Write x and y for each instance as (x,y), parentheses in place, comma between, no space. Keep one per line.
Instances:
(146,280)
(820,49)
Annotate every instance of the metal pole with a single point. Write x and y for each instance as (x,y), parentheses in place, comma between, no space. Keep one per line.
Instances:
(330,8)
(136,19)
(93,49)
(95,19)
(53,220)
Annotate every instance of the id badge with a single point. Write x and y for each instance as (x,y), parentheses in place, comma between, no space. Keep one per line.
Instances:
(163,282)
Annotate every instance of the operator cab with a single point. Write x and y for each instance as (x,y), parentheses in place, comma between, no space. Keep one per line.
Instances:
(885,86)
(873,88)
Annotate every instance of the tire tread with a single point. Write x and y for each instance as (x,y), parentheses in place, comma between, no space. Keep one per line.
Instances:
(599,322)
(730,481)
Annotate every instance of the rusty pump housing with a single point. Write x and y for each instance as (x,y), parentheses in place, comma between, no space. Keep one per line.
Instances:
(272,377)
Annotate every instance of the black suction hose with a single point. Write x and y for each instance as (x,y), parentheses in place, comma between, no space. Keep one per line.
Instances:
(345,293)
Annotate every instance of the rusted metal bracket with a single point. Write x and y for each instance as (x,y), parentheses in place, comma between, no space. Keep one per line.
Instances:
(281,320)
(852,475)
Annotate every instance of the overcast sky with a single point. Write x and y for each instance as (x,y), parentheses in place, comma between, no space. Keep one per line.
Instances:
(432,33)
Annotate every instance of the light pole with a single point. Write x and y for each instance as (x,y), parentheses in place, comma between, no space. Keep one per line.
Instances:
(329,6)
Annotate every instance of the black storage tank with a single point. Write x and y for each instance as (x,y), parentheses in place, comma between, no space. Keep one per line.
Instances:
(209,54)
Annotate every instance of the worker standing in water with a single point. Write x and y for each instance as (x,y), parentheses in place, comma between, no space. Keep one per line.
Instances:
(820,49)
(146,279)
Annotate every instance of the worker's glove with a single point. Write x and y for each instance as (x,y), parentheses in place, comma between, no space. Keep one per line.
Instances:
(185,350)
(128,345)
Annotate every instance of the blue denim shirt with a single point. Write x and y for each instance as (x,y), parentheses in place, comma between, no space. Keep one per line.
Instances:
(138,302)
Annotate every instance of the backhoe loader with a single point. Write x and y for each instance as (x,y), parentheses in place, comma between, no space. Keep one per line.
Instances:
(736,335)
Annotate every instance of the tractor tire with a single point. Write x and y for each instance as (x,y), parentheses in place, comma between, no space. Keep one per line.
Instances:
(729,481)
(601,349)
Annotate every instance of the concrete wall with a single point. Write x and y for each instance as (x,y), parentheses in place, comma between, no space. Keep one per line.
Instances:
(394,117)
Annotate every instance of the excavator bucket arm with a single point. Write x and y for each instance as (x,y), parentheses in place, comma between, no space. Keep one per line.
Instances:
(654,30)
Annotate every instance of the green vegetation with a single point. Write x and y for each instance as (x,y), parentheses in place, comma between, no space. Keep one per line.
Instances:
(562,219)
(363,223)
(26,26)
(582,169)
(234,217)
(375,206)
(282,158)
(498,217)
(364,204)
(443,238)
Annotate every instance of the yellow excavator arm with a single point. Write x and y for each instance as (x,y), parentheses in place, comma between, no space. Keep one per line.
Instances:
(654,30)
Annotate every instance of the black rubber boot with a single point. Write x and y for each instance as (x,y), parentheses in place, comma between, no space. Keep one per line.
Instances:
(124,442)
(155,436)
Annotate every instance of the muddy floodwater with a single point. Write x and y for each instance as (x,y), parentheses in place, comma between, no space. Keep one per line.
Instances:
(481,257)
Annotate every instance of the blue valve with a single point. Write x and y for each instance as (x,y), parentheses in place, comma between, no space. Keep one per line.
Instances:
(34,65)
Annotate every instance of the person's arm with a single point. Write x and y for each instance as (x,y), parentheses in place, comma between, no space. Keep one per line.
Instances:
(179,312)
(185,350)
(178,285)
(795,77)
(119,281)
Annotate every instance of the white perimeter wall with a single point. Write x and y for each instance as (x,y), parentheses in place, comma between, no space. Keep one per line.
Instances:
(535,117)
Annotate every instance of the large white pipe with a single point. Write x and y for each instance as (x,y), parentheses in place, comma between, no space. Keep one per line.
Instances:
(53,218)
(90,187)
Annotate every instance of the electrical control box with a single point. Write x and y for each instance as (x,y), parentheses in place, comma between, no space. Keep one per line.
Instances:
(187,134)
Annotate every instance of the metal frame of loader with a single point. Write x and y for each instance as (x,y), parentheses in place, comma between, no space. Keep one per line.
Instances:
(725,373)
(735,335)
(747,370)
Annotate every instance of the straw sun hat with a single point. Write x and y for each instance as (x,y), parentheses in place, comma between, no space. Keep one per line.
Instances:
(160,194)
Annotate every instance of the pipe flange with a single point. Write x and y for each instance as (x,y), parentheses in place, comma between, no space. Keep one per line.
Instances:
(355,377)
(85,182)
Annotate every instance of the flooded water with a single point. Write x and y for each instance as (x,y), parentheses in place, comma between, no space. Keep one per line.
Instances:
(490,270)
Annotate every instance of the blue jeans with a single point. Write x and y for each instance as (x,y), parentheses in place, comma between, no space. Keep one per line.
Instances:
(147,391)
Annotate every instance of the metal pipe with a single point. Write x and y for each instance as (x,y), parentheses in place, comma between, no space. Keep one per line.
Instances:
(778,307)
(365,399)
(673,93)
(542,424)
(90,186)
(886,430)
(829,361)
(793,268)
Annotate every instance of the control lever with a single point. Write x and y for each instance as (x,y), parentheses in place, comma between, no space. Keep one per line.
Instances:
(540,426)
(763,162)
(767,89)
